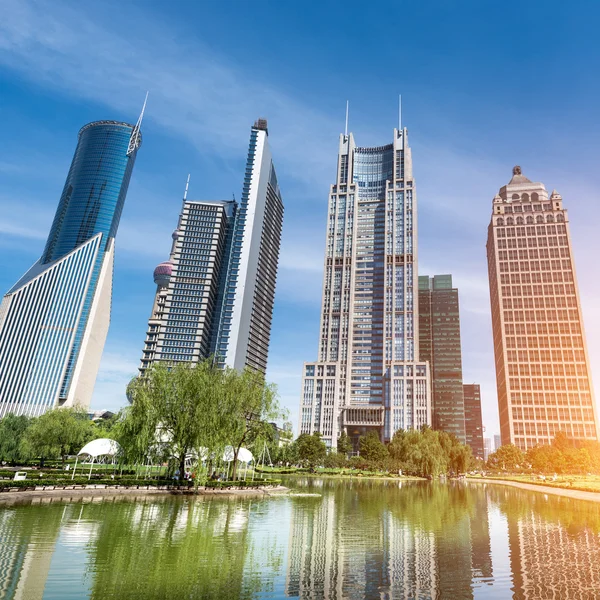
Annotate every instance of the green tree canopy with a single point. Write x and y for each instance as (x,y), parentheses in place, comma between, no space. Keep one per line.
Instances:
(174,410)
(249,404)
(344,445)
(310,448)
(507,457)
(58,433)
(371,448)
(12,432)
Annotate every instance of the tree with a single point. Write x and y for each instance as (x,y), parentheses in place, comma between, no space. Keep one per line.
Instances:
(311,449)
(174,409)
(507,457)
(344,445)
(12,431)
(57,433)
(249,405)
(371,447)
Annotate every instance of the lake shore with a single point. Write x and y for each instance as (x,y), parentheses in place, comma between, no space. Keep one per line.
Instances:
(542,488)
(105,491)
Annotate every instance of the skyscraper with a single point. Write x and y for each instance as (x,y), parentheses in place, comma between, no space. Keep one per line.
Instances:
(54,320)
(473,422)
(487,447)
(497,441)
(187,306)
(368,376)
(542,366)
(439,344)
(215,294)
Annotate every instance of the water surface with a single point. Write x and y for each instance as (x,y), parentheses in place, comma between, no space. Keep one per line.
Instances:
(335,539)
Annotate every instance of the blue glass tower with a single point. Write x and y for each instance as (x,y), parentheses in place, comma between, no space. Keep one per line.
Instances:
(54,321)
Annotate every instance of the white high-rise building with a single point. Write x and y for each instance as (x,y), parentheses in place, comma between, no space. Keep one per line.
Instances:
(368,376)
(216,292)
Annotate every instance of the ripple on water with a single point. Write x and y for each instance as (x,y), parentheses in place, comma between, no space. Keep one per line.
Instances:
(329,539)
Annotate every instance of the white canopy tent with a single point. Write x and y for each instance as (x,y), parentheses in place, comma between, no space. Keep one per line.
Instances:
(244,455)
(96,449)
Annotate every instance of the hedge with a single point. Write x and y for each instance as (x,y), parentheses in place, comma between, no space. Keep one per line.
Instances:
(129,483)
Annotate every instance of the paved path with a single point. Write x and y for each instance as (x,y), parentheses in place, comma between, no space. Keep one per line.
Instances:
(544,489)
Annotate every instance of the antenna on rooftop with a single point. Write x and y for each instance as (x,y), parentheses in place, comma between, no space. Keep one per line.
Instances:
(134,140)
(400,112)
(347,107)
(187,185)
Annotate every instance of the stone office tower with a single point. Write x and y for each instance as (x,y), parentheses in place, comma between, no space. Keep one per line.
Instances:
(439,344)
(215,294)
(368,376)
(542,365)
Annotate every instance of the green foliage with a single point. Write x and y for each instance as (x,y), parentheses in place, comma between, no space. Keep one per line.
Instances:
(57,433)
(196,410)
(311,449)
(12,432)
(344,445)
(174,410)
(562,456)
(419,451)
(507,457)
(371,448)
(248,405)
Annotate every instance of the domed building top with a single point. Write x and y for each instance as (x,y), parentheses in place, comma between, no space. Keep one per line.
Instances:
(518,176)
(162,273)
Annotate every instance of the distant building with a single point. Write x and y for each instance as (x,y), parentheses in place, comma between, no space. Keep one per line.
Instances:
(439,344)
(473,422)
(487,447)
(282,435)
(54,320)
(100,415)
(497,442)
(216,292)
(542,365)
(368,376)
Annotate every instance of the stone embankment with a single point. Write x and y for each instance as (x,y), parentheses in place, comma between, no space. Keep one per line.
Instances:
(77,491)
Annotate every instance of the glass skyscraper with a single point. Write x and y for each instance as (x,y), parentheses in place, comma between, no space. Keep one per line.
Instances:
(542,365)
(368,376)
(54,320)
(439,343)
(215,294)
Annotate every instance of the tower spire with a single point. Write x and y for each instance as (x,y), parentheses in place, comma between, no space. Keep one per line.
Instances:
(400,112)
(347,107)
(134,140)
(187,185)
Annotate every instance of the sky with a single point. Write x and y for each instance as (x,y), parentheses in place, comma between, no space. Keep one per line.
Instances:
(485,86)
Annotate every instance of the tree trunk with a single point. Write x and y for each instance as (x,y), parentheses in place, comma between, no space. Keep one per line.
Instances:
(181,466)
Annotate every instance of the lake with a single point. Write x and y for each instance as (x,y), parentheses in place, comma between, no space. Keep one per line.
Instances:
(333,538)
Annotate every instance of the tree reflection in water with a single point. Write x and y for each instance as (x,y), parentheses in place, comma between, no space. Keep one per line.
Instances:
(352,539)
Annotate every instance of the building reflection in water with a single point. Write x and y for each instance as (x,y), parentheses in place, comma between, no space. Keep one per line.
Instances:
(25,563)
(424,541)
(554,545)
(352,539)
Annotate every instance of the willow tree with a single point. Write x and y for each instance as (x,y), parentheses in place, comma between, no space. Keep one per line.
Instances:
(177,407)
(249,404)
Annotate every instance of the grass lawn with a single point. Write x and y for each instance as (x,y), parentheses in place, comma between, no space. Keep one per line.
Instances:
(584,483)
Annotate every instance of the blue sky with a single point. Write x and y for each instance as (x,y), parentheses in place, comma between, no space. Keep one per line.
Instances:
(485,86)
